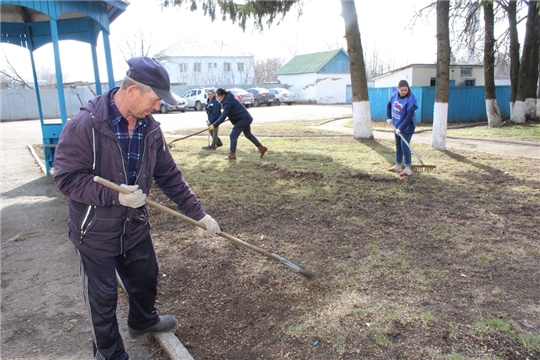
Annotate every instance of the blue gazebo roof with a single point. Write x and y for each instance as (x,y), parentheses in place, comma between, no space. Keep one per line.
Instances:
(77,20)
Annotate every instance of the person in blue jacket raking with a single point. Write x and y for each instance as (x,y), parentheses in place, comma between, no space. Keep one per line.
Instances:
(400,113)
(213,110)
(241,120)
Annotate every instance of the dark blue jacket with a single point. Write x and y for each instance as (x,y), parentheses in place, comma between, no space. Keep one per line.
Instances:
(402,111)
(88,146)
(213,109)
(233,108)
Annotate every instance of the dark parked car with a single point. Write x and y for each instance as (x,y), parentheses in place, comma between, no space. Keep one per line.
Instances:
(243,96)
(262,96)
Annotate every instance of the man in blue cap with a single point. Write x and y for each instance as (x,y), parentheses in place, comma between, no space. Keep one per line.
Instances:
(115,137)
(213,110)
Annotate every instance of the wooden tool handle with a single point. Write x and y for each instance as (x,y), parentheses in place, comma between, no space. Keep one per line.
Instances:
(149,202)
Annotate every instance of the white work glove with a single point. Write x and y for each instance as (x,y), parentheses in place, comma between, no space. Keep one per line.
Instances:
(212,227)
(397,131)
(389,121)
(133,200)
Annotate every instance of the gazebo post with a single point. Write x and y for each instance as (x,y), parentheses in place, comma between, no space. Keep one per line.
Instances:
(51,132)
(108,59)
(93,46)
(30,48)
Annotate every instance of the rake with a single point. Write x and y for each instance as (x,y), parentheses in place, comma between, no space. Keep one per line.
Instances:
(422,167)
(296,268)
(190,135)
(187,136)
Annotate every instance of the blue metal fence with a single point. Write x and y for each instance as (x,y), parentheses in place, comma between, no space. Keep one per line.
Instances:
(465,103)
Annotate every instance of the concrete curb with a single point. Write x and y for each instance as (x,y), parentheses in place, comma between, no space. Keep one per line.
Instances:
(168,341)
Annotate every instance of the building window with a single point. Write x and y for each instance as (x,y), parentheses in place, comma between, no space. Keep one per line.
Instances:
(432,81)
(466,72)
(215,65)
(227,67)
(182,67)
(209,65)
(197,67)
(241,67)
(470,82)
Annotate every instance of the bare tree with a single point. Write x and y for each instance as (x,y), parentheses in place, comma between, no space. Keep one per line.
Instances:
(265,70)
(141,44)
(375,66)
(440,112)
(502,65)
(295,46)
(492,108)
(47,76)
(11,77)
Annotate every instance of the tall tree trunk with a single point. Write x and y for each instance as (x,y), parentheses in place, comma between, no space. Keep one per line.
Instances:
(519,109)
(514,50)
(440,112)
(492,108)
(538,89)
(532,98)
(362,128)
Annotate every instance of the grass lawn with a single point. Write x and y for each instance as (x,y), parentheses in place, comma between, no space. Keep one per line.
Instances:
(443,265)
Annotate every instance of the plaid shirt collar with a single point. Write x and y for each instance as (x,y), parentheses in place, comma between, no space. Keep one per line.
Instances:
(131,145)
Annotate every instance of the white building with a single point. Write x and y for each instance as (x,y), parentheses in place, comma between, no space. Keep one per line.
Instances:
(425,75)
(320,78)
(202,61)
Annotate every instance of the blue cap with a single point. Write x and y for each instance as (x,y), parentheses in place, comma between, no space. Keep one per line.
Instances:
(151,72)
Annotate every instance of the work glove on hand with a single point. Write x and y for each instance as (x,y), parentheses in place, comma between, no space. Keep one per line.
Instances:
(389,121)
(211,127)
(133,200)
(397,131)
(212,227)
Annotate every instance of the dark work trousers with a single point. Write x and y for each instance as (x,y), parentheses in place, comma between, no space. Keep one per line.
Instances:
(242,127)
(138,270)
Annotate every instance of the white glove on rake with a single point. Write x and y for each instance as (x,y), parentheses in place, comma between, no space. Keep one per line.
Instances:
(212,227)
(133,200)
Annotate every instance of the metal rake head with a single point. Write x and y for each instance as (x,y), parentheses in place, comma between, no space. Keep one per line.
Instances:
(423,167)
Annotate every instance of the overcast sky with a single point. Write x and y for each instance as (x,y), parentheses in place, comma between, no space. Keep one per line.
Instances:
(383,27)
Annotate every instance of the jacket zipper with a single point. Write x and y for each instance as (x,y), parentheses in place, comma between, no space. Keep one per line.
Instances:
(84,225)
(125,182)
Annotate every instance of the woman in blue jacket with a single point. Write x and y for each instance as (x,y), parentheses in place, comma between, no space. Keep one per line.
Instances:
(400,114)
(240,118)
